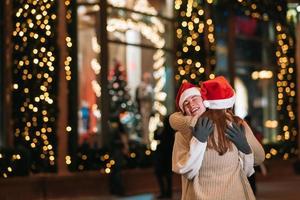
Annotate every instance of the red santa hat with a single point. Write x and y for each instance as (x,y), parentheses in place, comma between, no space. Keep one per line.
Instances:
(186,90)
(217,93)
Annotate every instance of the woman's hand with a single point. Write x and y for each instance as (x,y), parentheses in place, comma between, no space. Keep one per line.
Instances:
(203,128)
(236,133)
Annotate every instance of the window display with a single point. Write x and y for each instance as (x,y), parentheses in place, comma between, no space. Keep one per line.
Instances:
(139,58)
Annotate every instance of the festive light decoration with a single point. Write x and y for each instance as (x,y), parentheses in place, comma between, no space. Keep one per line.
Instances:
(13,163)
(88,159)
(263,10)
(263,74)
(95,65)
(193,28)
(145,7)
(70,67)
(271,124)
(286,85)
(4,169)
(34,80)
(68,39)
(117,3)
(286,76)
(121,105)
(153,31)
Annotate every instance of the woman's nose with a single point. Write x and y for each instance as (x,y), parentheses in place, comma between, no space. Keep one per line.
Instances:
(192,104)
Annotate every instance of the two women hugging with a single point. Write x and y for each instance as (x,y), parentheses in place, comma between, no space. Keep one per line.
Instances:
(214,150)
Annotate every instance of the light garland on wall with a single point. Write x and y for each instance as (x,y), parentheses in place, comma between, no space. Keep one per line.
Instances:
(193,56)
(8,163)
(286,86)
(286,76)
(145,7)
(263,74)
(96,67)
(68,40)
(117,3)
(34,80)
(263,10)
(69,66)
(253,10)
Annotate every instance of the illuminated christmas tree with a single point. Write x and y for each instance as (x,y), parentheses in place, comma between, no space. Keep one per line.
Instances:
(121,103)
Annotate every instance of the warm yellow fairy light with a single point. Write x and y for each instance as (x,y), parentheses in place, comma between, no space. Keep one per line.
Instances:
(34,22)
(195,25)
(68,160)
(286,75)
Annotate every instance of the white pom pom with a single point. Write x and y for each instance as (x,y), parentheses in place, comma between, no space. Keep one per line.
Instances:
(206,104)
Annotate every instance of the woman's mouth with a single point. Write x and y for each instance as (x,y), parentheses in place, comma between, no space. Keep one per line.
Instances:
(195,109)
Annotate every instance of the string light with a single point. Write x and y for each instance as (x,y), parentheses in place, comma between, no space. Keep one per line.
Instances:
(34,75)
(286,101)
(8,163)
(286,104)
(68,39)
(145,7)
(70,67)
(271,123)
(96,68)
(117,3)
(263,74)
(193,51)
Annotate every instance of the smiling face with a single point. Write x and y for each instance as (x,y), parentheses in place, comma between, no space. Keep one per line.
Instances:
(193,105)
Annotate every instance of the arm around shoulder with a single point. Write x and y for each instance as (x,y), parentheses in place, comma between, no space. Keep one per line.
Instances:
(187,156)
(182,123)
(257,148)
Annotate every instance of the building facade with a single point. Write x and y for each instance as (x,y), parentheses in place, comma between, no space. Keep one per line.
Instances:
(70,68)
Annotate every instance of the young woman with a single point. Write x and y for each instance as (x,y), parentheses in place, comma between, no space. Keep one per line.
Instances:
(214,160)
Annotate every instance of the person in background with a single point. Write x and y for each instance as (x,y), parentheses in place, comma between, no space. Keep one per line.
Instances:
(163,158)
(119,148)
(215,152)
(144,98)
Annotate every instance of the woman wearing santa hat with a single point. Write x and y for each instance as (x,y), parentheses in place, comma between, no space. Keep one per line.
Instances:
(215,152)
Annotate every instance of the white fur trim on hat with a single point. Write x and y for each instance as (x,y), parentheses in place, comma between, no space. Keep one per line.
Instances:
(220,103)
(187,93)
(206,104)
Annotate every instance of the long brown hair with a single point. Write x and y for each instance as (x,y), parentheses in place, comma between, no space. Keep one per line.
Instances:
(221,118)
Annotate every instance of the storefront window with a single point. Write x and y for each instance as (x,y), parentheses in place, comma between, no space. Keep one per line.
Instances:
(150,30)
(139,53)
(255,70)
(134,65)
(88,71)
(163,8)
(220,16)
(254,53)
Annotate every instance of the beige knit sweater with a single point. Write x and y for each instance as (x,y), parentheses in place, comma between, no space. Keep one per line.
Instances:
(219,177)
